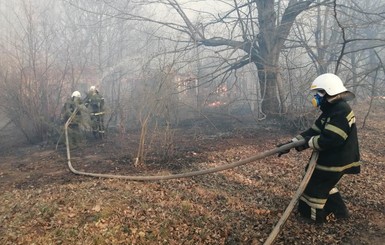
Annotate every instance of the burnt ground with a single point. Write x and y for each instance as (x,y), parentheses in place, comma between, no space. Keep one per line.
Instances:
(43,202)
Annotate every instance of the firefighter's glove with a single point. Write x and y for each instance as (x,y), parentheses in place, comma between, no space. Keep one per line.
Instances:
(305,145)
(284,152)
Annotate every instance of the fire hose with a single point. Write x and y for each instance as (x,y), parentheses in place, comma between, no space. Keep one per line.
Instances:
(262,155)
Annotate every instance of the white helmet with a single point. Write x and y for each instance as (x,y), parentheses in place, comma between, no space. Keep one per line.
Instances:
(329,82)
(92,89)
(76,94)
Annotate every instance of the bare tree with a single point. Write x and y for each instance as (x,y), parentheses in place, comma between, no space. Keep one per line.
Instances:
(32,77)
(156,103)
(258,28)
(340,38)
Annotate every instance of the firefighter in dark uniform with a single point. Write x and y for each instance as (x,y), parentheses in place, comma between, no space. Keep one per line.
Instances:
(69,107)
(334,135)
(95,104)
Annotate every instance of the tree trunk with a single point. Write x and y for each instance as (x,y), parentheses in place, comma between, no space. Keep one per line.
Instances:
(269,91)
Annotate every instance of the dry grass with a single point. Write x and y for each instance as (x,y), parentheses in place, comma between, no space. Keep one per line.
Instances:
(42,203)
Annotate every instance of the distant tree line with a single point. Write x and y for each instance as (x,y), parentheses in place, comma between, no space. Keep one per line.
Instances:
(160,62)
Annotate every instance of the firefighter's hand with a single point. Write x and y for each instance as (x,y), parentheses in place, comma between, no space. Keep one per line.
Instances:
(286,151)
(305,145)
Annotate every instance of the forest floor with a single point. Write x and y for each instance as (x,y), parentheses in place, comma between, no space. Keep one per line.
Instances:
(43,202)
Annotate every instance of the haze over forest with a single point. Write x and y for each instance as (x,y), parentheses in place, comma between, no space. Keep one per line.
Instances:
(169,61)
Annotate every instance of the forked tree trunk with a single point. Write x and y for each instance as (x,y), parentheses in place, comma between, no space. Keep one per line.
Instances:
(269,92)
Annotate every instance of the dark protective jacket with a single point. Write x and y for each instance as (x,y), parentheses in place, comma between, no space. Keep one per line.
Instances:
(334,135)
(69,107)
(95,102)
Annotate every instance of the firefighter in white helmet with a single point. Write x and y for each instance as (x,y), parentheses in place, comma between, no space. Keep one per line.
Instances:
(73,103)
(95,104)
(334,135)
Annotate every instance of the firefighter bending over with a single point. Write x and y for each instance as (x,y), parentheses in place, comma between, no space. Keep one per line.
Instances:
(95,104)
(334,135)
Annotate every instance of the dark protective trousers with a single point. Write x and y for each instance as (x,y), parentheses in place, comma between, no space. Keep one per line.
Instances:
(321,197)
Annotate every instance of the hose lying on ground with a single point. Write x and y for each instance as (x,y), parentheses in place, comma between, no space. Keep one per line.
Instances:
(283,148)
(181,175)
(294,200)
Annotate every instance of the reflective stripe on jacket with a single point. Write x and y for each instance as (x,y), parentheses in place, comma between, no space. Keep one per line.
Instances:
(334,135)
